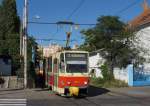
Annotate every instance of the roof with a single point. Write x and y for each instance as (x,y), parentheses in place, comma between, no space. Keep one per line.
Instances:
(143,18)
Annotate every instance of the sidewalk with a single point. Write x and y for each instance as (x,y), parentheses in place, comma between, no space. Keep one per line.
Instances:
(132,91)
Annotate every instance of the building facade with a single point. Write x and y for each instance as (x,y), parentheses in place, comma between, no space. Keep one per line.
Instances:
(51,49)
(141,25)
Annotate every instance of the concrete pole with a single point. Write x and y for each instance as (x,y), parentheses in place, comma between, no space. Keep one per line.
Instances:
(21,40)
(25,42)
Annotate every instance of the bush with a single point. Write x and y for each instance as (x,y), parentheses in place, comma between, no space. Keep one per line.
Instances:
(100,82)
(106,72)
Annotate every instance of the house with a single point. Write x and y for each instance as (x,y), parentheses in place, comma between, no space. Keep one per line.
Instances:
(134,76)
(95,61)
(142,26)
(51,49)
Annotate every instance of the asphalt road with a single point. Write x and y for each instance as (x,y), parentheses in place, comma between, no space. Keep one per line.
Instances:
(96,97)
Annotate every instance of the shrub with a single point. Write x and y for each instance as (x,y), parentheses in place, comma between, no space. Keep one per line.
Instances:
(100,82)
(106,72)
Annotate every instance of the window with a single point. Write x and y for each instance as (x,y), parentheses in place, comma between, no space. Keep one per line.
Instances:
(55,67)
(62,63)
(76,62)
(50,64)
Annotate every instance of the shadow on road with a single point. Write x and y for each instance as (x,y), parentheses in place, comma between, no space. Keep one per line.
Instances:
(42,89)
(95,91)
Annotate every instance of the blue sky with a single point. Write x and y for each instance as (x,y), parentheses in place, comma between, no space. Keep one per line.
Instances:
(59,10)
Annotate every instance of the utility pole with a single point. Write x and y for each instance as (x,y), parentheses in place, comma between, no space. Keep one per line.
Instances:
(21,42)
(25,38)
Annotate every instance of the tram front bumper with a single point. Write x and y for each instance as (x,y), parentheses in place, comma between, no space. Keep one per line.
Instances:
(76,91)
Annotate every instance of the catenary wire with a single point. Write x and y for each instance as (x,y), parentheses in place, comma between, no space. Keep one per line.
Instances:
(76,9)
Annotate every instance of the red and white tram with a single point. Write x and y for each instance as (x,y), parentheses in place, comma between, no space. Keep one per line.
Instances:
(66,72)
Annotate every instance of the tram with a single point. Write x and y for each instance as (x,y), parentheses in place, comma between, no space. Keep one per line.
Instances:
(66,72)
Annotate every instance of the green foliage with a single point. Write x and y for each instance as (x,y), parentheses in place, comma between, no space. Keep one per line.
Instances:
(32,45)
(10,37)
(100,82)
(105,72)
(9,32)
(114,41)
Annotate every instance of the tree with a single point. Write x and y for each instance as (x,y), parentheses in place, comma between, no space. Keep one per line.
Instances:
(113,39)
(9,32)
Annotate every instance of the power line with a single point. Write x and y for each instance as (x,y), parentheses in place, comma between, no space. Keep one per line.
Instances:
(126,8)
(54,40)
(76,9)
(37,39)
(55,23)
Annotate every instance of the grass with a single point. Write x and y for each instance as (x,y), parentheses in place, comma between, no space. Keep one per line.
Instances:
(99,82)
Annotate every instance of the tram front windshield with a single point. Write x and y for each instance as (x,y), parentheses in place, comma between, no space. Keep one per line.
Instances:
(76,62)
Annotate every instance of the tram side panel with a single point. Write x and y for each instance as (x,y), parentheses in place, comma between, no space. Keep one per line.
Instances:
(50,72)
(76,80)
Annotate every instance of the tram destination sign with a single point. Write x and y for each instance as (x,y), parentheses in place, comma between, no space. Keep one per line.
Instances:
(76,55)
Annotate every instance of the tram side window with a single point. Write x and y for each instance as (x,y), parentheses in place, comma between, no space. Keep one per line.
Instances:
(62,63)
(50,64)
(55,68)
(44,65)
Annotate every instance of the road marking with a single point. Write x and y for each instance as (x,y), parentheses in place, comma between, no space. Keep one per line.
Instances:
(13,102)
(14,99)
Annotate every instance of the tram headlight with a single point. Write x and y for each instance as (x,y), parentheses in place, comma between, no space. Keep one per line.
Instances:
(85,82)
(68,83)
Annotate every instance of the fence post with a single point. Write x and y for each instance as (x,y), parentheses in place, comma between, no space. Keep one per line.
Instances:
(130,74)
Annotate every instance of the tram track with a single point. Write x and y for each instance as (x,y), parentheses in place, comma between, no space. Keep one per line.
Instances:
(77,101)
(92,102)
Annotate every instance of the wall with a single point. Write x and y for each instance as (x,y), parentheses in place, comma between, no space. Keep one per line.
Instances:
(139,76)
(12,82)
(94,63)
(142,42)
(121,74)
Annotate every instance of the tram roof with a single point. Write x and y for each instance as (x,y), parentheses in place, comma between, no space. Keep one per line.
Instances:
(69,51)
(74,51)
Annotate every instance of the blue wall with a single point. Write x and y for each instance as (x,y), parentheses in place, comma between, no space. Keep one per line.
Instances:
(138,76)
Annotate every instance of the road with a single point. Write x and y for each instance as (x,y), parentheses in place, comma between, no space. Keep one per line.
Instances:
(97,97)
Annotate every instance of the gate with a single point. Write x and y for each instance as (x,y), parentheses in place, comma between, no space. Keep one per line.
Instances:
(139,75)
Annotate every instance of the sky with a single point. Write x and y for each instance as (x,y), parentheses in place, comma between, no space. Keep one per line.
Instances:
(58,10)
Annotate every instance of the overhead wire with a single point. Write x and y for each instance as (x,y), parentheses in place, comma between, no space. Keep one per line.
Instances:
(76,9)
(37,39)
(55,23)
(127,7)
